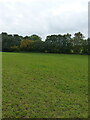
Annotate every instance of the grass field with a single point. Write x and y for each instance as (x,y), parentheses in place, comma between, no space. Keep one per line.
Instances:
(45,85)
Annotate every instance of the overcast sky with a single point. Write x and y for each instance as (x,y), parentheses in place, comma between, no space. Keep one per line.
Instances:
(44,17)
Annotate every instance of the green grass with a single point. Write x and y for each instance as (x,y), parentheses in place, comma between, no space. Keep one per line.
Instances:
(45,85)
(0,85)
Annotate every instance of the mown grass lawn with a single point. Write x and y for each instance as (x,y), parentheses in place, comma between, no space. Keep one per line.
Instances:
(37,85)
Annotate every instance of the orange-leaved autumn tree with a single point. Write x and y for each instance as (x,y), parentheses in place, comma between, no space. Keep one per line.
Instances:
(26,45)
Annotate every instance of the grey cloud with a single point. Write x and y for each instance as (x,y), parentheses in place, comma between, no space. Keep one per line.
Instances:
(43,17)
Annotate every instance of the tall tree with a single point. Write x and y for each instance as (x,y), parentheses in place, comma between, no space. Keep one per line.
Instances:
(77,42)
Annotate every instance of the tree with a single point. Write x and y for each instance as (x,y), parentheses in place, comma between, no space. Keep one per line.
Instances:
(59,43)
(17,39)
(26,45)
(35,38)
(77,42)
(7,42)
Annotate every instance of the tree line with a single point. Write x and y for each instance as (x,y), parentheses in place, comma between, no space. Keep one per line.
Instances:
(65,44)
